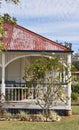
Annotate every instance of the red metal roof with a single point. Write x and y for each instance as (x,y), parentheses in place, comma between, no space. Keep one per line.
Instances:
(19,38)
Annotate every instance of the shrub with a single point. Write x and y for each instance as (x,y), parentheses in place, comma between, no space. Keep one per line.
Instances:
(52,115)
(40,117)
(75,88)
(74,96)
(8,115)
(23,116)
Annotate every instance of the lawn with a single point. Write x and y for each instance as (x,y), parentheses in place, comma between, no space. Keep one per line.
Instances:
(68,123)
(75,110)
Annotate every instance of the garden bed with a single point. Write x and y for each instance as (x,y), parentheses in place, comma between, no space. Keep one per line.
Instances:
(22,116)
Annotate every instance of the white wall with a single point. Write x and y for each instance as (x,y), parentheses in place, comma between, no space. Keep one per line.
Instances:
(14,71)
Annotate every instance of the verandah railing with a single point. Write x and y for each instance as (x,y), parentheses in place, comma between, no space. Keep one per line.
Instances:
(16,93)
(20,93)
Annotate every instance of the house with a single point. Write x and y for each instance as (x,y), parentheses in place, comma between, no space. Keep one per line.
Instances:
(22,46)
(75,63)
(75,57)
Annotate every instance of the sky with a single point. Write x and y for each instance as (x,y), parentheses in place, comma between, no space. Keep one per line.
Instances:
(57,20)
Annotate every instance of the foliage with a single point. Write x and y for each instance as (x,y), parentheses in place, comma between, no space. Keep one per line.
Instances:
(14,1)
(75,96)
(75,88)
(52,115)
(2,33)
(40,117)
(23,115)
(37,70)
(8,115)
(6,18)
(69,45)
(75,92)
(76,65)
(46,72)
(37,117)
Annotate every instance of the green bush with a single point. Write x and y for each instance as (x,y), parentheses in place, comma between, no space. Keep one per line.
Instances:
(40,117)
(74,96)
(8,115)
(53,115)
(23,116)
(75,88)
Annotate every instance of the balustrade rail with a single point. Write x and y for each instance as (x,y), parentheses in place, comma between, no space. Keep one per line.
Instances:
(22,93)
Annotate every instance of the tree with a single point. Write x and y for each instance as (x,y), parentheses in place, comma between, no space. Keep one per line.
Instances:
(14,1)
(76,65)
(44,74)
(2,32)
(69,45)
(6,18)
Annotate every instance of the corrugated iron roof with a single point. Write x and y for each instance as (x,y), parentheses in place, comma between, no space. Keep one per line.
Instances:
(19,38)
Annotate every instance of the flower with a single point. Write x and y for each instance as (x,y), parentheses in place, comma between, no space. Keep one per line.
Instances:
(50,57)
(63,95)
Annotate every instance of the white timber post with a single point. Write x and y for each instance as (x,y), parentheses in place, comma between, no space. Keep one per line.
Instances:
(3,78)
(69,80)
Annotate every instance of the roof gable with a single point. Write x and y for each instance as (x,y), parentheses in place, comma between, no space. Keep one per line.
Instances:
(19,38)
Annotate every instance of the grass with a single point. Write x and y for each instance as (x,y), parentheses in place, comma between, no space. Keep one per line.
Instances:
(75,110)
(68,123)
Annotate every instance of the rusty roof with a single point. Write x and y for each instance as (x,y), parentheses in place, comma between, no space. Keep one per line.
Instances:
(20,38)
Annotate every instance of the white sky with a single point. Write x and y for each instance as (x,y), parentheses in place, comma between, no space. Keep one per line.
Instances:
(54,19)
